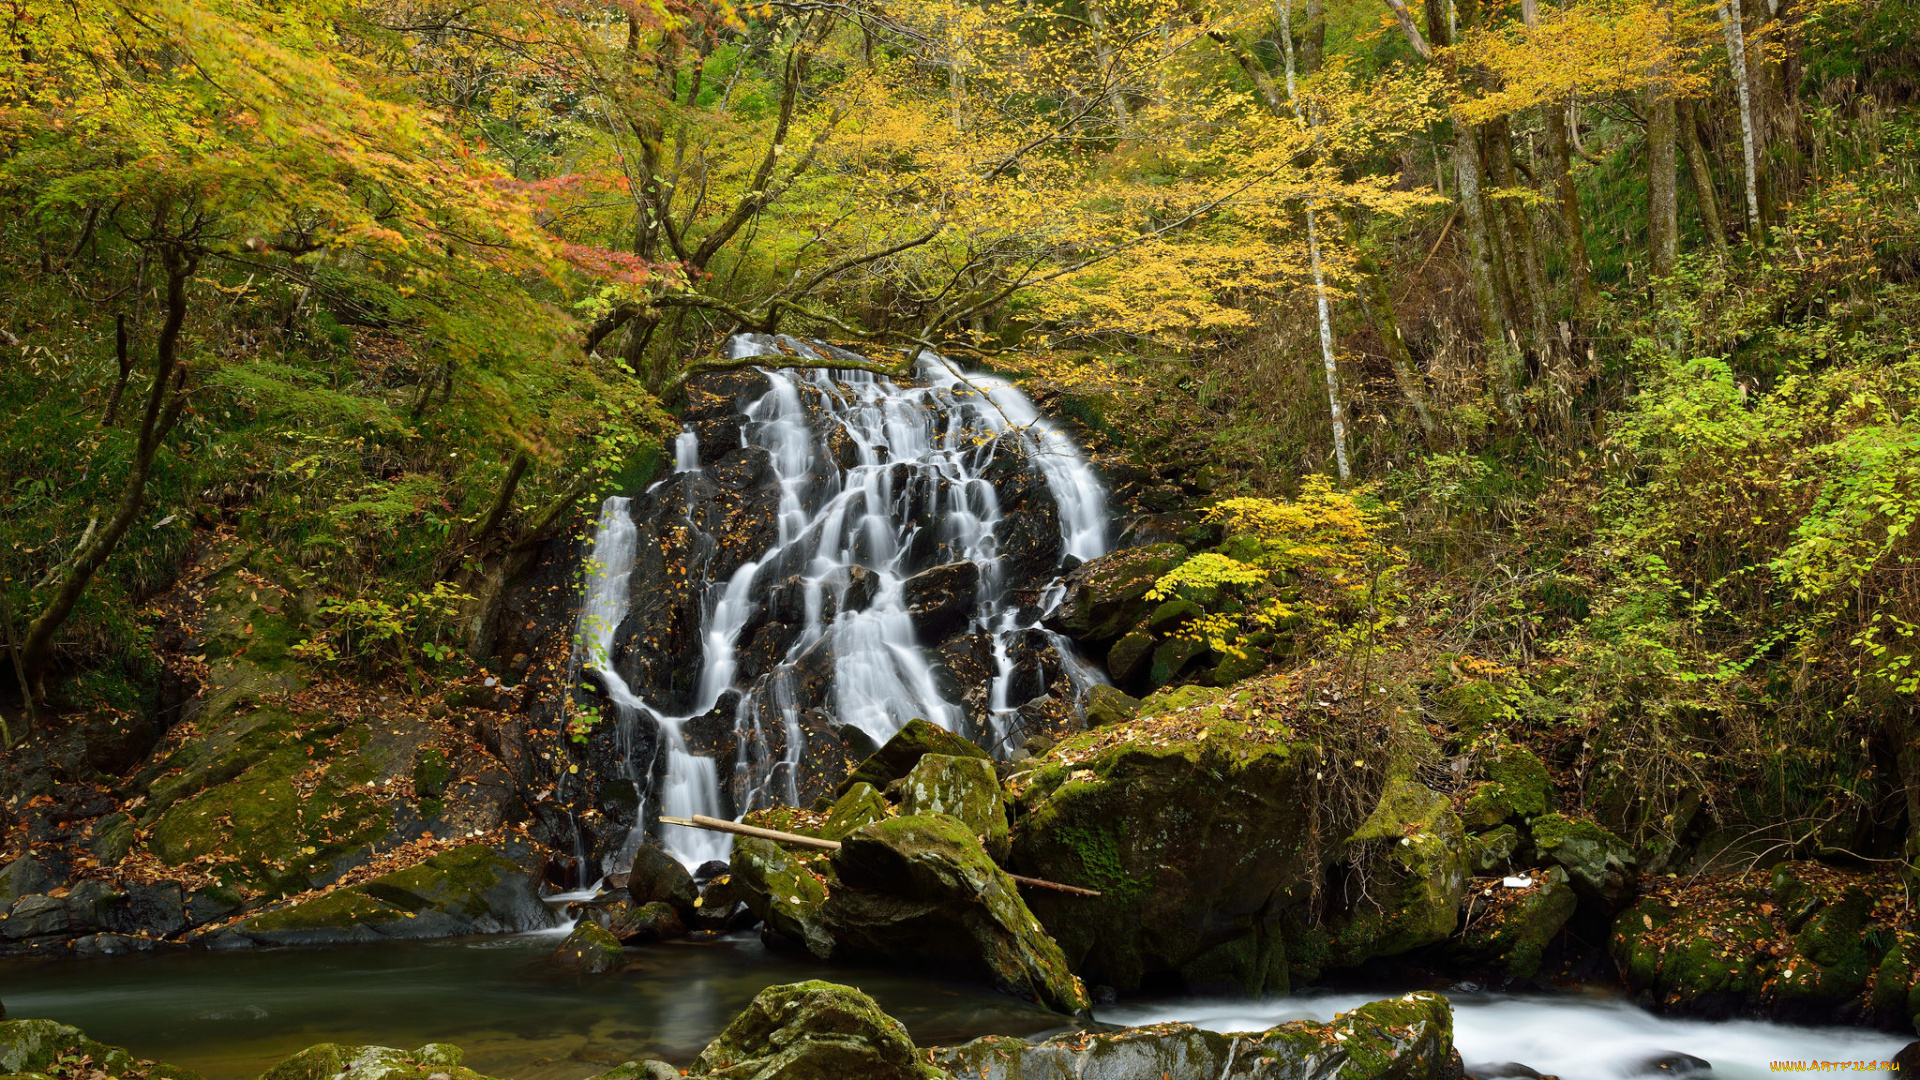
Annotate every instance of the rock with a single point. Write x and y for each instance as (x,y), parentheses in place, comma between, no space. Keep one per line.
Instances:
(431,773)
(1415,856)
(113,837)
(1129,658)
(922,888)
(1908,1058)
(659,876)
(1237,667)
(1597,861)
(23,876)
(38,1047)
(1107,705)
(1508,929)
(903,751)
(332,1061)
(1503,1070)
(1170,616)
(939,600)
(1106,597)
(469,890)
(964,788)
(813,1031)
(861,805)
(1517,787)
(1669,1063)
(651,921)
(1172,658)
(639,1070)
(709,870)
(1406,1038)
(591,949)
(781,890)
(1493,850)
(1195,834)
(719,902)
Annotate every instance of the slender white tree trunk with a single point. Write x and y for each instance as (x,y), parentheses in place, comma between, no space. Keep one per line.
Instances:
(1730,17)
(1335,409)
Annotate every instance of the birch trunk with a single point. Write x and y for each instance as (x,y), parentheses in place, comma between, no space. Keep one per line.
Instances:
(1730,17)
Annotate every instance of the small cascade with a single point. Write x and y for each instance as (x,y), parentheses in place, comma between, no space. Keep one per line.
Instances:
(888,540)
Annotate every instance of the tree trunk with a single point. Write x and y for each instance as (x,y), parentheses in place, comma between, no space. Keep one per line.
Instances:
(1502,361)
(1567,198)
(1663,208)
(1701,169)
(1313,39)
(1730,17)
(126,369)
(1378,305)
(1109,71)
(164,405)
(1522,242)
(1334,407)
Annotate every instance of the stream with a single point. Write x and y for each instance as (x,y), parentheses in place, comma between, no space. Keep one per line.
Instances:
(232,1014)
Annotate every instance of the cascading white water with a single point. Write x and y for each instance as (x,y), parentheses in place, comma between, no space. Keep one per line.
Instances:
(837,520)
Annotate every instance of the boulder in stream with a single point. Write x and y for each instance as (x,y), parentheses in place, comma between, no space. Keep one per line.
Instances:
(44,1048)
(964,788)
(915,739)
(782,890)
(333,1061)
(921,888)
(591,949)
(1406,1038)
(813,1031)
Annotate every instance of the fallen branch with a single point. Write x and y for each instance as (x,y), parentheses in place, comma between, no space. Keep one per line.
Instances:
(702,821)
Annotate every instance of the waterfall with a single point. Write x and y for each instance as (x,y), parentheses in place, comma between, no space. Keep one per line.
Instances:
(876,481)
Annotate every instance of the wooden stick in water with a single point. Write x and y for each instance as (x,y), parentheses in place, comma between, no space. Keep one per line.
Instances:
(702,821)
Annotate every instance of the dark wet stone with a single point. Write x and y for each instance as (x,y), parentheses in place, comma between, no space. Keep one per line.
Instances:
(939,600)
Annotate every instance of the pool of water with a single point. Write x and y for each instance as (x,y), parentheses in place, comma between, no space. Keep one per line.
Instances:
(233,1013)
(1587,1036)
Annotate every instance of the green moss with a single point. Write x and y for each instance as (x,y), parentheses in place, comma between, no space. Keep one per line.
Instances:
(904,750)
(964,788)
(431,772)
(341,908)
(1595,857)
(813,1031)
(590,948)
(1413,853)
(43,1047)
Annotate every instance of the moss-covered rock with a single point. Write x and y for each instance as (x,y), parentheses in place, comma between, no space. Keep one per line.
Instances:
(915,739)
(782,890)
(1805,943)
(1127,660)
(1194,826)
(29,1047)
(813,1031)
(657,876)
(469,890)
(1413,854)
(1107,596)
(1108,705)
(1507,930)
(1596,860)
(966,789)
(1407,1038)
(651,921)
(861,805)
(591,949)
(1493,850)
(332,1061)
(922,888)
(1516,787)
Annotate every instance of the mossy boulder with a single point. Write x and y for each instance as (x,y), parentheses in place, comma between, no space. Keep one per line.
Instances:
(333,1061)
(897,757)
(1406,1038)
(657,876)
(1107,596)
(1597,861)
(783,891)
(1194,826)
(1172,615)
(1172,659)
(469,890)
(591,949)
(1128,659)
(651,921)
(246,738)
(1493,850)
(1803,943)
(284,821)
(1108,705)
(813,1031)
(922,888)
(861,805)
(1516,787)
(1507,930)
(1413,854)
(964,788)
(37,1047)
